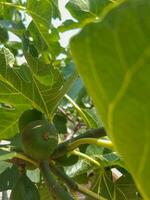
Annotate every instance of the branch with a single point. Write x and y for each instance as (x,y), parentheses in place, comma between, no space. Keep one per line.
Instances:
(55,189)
(12,154)
(62,148)
(65,114)
(98,142)
(25,158)
(72,184)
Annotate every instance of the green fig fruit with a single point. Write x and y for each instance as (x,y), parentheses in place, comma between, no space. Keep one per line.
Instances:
(39,139)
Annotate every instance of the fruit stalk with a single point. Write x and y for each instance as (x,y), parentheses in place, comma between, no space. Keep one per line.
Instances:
(62,148)
(98,142)
(86,157)
(56,190)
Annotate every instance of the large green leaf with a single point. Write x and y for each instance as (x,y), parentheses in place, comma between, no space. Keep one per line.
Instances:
(102,184)
(30,83)
(125,189)
(113,57)
(108,184)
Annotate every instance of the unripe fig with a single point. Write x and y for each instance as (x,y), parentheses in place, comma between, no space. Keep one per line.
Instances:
(39,139)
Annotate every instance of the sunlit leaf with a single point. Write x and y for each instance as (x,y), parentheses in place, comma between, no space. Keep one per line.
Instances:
(23,82)
(113,59)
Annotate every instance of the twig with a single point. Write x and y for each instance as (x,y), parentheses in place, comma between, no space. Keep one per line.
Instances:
(62,148)
(55,189)
(72,184)
(86,157)
(65,114)
(98,142)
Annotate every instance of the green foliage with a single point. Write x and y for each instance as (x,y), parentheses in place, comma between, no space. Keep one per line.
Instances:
(122,190)
(8,178)
(24,189)
(118,65)
(22,81)
(40,89)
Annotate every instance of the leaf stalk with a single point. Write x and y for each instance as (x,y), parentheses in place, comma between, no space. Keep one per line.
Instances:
(62,148)
(98,142)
